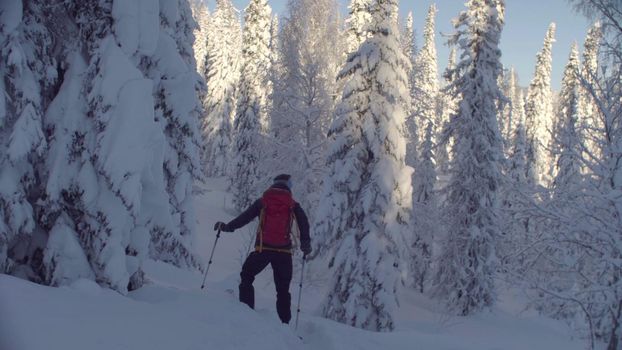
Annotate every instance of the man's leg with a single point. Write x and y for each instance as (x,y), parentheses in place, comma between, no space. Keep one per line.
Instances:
(282,270)
(253,265)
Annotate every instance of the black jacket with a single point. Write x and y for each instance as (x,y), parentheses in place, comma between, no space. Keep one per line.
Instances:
(255,210)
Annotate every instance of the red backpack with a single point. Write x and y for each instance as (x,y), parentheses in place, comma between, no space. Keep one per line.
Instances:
(275,219)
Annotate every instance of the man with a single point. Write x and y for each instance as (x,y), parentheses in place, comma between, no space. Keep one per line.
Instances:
(273,245)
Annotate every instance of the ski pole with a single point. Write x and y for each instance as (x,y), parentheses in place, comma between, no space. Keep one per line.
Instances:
(302,271)
(210,258)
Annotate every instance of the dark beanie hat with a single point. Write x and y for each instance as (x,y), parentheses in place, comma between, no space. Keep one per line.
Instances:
(282,178)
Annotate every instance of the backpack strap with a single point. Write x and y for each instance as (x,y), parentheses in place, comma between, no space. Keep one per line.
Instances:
(262,216)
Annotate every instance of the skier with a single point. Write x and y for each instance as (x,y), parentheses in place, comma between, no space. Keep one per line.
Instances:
(276,209)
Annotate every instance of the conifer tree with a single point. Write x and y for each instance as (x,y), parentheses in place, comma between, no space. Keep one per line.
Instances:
(222,78)
(589,121)
(201,15)
(424,95)
(93,174)
(506,122)
(517,161)
(27,73)
(366,196)
(426,78)
(425,211)
(566,141)
(121,152)
(408,37)
(357,22)
(172,228)
(465,276)
(539,114)
(273,73)
(505,82)
(449,105)
(515,224)
(517,100)
(410,51)
(274,39)
(252,102)
(424,124)
(589,68)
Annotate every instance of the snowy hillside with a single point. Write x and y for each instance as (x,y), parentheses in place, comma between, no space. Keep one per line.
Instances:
(172,312)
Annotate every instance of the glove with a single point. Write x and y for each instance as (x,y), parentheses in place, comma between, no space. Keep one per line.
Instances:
(222,227)
(306,250)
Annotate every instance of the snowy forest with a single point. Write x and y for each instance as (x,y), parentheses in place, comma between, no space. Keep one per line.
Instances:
(456,184)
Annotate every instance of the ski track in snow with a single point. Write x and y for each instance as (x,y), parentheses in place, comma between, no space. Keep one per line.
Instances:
(172,312)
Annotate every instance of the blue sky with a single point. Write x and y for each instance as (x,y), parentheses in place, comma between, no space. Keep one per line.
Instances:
(525,27)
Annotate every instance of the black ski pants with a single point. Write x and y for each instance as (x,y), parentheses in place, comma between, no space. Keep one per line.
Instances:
(282,271)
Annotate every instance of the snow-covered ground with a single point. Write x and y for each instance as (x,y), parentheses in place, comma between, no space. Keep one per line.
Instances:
(172,312)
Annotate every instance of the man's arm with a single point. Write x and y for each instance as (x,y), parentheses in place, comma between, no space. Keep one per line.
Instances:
(303,227)
(247,216)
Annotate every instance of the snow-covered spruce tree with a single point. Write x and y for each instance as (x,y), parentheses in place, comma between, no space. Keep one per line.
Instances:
(517,161)
(252,102)
(124,194)
(515,223)
(507,122)
(589,121)
(408,39)
(566,142)
(272,73)
(27,75)
(425,82)
(423,116)
(304,96)
(110,182)
(410,51)
(275,72)
(425,212)
(265,67)
(422,127)
(589,68)
(539,114)
(96,162)
(201,15)
(274,40)
(517,101)
(359,17)
(466,266)
(515,148)
(505,82)
(368,185)
(222,75)
(177,109)
(448,100)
